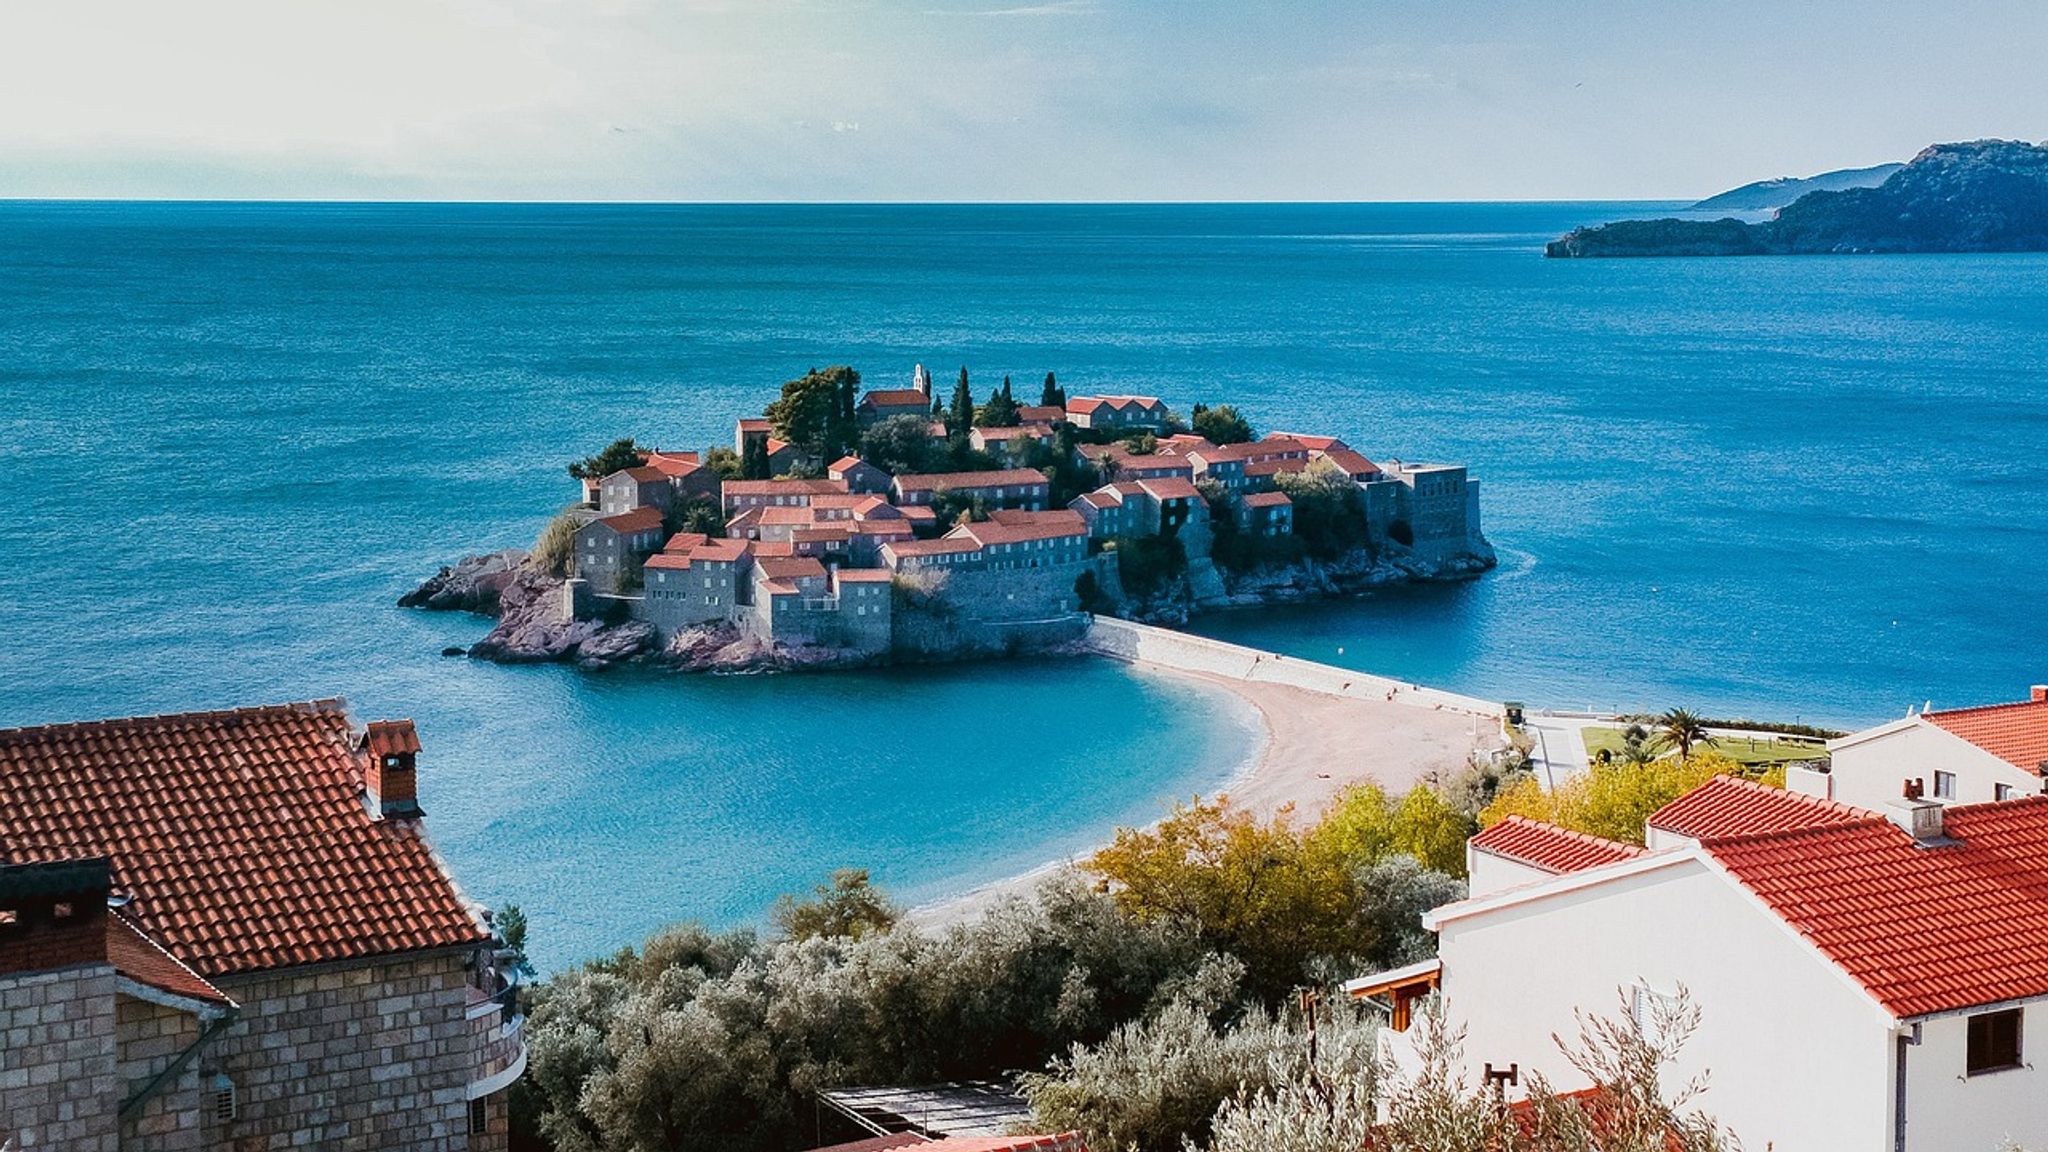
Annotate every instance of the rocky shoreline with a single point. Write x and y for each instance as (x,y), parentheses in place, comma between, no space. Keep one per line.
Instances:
(530,629)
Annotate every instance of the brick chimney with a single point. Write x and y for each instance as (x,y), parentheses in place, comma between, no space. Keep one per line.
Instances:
(2039,693)
(1918,816)
(53,915)
(392,749)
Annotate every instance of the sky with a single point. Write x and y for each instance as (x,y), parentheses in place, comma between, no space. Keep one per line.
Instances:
(993,100)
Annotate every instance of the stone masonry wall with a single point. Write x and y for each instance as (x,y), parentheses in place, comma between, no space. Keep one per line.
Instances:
(363,1058)
(59,1088)
(151,1036)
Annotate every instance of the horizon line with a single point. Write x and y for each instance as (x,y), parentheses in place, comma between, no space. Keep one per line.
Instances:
(637,203)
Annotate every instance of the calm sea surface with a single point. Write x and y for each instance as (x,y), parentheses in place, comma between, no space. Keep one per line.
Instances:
(231,435)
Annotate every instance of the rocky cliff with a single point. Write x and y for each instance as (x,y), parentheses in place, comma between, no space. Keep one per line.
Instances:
(1984,196)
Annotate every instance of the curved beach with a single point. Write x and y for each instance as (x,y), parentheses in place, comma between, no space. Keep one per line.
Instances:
(1317,743)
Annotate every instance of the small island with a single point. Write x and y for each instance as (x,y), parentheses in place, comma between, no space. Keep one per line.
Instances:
(846,527)
(1982,196)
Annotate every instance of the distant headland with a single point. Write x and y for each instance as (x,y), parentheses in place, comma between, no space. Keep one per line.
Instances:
(1983,196)
(848,527)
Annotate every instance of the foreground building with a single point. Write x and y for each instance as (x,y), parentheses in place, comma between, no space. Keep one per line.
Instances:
(226,930)
(1867,983)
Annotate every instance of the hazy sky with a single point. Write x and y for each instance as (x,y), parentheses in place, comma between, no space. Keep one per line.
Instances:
(993,99)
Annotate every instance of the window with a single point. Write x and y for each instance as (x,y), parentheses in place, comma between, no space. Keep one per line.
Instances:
(1994,1042)
(1944,785)
(1649,1008)
(2001,792)
(221,1099)
(479,1117)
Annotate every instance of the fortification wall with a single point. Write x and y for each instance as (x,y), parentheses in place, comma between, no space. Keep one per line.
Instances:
(1124,640)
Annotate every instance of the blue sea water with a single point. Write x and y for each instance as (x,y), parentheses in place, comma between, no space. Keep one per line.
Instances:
(231,435)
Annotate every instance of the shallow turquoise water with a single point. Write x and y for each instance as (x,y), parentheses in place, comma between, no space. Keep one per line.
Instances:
(232,434)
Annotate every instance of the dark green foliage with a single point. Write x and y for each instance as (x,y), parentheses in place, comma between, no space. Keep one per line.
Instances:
(698,514)
(951,507)
(1241,552)
(1221,425)
(1088,590)
(754,460)
(815,412)
(1068,475)
(1147,564)
(1329,511)
(961,416)
(1141,443)
(903,444)
(1000,411)
(1052,395)
(617,455)
(723,463)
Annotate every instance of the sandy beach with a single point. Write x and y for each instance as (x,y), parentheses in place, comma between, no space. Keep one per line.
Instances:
(1316,745)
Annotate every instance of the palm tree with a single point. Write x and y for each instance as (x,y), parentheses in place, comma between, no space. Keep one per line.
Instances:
(1682,729)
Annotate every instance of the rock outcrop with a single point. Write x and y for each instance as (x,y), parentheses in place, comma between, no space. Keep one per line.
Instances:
(473,584)
(1984,196)
(532,629)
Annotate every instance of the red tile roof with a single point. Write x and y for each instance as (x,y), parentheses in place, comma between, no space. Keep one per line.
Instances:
(783,568)
(144,961)
(1925,930)
(1549,847)
(241,836)
(783,487)
(1040,413)
(1324,444)
(1003,478)
(674,465)
(1004,527)
(641,519)
(944,546)
(878,1143)
(1170,488)
(896,398)
(1351,462)
(1275,467)
(391,738)
(643,474)
(1267,500)
(754,424)
(1091,403)
(2015,733)
(1733,806)
(1064,1142)
(845,463)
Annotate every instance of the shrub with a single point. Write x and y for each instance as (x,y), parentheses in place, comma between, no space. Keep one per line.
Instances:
(1610,800)
(556,546)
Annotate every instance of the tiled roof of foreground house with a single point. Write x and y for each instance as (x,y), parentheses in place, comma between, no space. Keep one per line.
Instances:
(1924,928)
(1731,806)
(2015,733)
(1002,478)
(1064,1142)
(144,961)
(242,837)
(1549,847)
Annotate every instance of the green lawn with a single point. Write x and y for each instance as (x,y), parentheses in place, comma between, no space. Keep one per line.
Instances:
(1748,751)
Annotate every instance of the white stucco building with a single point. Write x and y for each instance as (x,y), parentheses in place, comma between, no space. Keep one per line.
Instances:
(1867,983)
(1956,756)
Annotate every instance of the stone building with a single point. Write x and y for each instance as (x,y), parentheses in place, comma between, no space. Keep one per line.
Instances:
(694,580)
(226,930)
(1024,488)
(1432,509)
(609,549)
(640,487)
(1135,413)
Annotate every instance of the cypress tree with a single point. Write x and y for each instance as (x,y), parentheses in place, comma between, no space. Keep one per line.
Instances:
(962,417)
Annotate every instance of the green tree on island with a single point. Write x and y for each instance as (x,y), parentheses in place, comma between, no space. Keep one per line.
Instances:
(1052,395)
(618,455)
(1221,425)
(754,461)
(723,463)
(1001,409)
(900,444)
(961,417)
(815,412)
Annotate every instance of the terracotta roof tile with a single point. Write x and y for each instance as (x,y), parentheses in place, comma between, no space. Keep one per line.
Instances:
(2015,733)
(783,487)
(1924,929)
(1732,806)
(1549,847)
(241,836)
(896,398)
(1267,500)
(1003,478)
(144,961)
(641,519)
(391,738)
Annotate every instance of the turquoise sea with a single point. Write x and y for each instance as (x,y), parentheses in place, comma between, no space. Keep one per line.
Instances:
(232,434)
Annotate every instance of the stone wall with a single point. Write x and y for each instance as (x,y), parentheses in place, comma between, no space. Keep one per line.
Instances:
(59,1085)
(1125,640)
(174,1118)
(371,1057)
